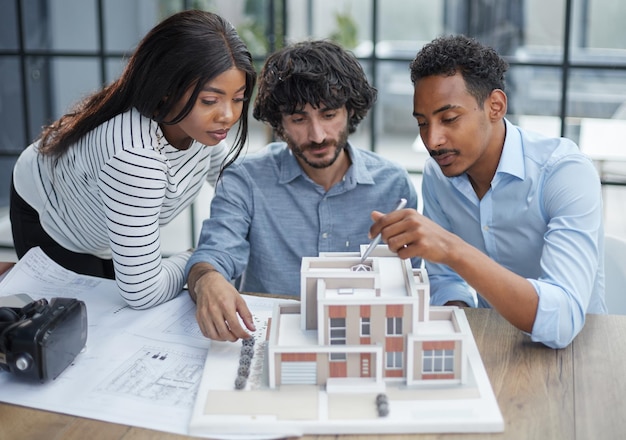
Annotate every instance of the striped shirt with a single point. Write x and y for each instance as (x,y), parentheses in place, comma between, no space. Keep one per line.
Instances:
(109,194)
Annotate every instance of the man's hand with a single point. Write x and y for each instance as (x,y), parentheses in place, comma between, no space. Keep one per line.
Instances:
(219,305)
(410,234)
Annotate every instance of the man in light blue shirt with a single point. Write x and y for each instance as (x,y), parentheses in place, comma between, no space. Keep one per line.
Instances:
(516,215)
(312,193)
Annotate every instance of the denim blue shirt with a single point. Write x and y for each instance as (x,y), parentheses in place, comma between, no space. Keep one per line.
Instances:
(267,214)
(541,218)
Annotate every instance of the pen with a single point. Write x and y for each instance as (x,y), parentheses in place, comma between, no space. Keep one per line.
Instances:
(377,239)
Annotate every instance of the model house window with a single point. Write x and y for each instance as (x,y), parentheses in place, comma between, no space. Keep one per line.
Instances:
(337,337)
(438,361)
(365,327)
(394,326)
(393,360)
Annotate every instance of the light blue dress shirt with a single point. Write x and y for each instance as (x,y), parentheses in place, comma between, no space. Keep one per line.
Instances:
(267,214)
(541,218)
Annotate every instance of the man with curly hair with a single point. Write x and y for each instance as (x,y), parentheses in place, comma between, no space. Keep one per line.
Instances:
(515,215)
(313,192)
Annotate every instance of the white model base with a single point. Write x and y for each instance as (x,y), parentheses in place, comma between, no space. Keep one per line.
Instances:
(296,410)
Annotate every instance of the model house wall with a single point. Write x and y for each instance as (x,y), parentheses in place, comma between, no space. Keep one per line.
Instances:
(362,324)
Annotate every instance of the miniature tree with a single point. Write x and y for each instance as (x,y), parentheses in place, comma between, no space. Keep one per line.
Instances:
(245,361)
(382,405)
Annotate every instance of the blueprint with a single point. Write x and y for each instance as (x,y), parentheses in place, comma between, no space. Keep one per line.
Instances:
(139,368)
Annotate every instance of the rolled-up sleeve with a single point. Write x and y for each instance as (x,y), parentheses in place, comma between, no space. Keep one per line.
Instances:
(572,252)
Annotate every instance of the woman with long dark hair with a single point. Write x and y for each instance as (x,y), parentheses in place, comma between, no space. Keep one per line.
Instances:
(95,188)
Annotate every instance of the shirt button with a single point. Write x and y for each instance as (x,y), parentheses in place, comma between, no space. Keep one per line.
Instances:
(485,228)
(325,235)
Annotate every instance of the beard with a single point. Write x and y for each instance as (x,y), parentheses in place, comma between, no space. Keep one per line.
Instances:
(300,150)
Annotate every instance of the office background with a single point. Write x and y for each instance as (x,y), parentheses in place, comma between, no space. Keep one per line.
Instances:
(567,57)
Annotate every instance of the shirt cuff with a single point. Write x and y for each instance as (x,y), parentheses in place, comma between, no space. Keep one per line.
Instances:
(555,322)
(452,293)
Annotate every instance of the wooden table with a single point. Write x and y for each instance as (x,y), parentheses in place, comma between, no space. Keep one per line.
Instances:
(575,393)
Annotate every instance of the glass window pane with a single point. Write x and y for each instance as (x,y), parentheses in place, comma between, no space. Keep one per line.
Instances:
(389,360)
(362,137)
(6,170)
(337,333)
(299,20)
(12,135)
(398,356)
(438,364)
(114,68)
(597,93)
(8,25)
(504,26)
(250,18)
(6,167)
(260,133)
(533,90)
(496,24)
(344,21)
(39,93)
(599,23)
(73,79)
(396,129)
(544,23)
(427,365)
(56,84)
(337,322)
(337,356)
(169,7)
(417,20)
(125,23)
(395,100)
(61,25)
(36,25)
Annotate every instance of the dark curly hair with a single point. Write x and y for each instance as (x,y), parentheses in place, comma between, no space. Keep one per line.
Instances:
(312,72)
(481,66)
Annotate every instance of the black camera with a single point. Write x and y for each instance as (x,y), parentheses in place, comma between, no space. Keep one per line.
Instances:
(40,340)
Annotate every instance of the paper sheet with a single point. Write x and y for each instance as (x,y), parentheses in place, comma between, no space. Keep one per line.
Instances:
(140,367)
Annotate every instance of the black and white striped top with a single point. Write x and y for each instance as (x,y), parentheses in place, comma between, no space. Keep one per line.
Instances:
(109,194)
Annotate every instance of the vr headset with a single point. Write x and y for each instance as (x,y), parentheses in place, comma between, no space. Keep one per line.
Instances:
(39,340)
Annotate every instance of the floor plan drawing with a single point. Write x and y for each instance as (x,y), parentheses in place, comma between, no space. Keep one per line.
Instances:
(156,374)
(362,353)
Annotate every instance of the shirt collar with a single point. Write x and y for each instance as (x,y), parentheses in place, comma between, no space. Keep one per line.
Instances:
(290,169)
(512,158)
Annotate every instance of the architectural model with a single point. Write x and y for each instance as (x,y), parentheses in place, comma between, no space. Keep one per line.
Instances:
(361,352)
